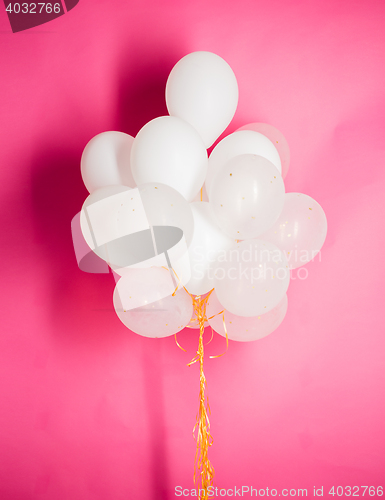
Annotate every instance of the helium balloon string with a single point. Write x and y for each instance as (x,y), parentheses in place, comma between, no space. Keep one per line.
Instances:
(177,343)
(212,336)
(227,337)
(203,470)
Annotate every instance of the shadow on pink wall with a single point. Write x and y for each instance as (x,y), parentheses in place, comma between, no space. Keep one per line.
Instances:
(57,195)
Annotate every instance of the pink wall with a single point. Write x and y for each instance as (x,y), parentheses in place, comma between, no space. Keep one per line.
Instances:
(89,410)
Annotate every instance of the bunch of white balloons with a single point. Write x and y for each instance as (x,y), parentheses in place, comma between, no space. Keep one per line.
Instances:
(145,215)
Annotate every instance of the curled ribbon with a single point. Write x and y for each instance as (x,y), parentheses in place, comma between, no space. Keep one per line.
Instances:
(203,469)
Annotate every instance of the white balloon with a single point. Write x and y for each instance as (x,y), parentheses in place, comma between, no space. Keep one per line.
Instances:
(170,151)
(240,143)
(277,138)
(241,328)
(300,230)
(202,90)
(208,242)
(158,313)
(247,196)
(252,278)
(106,161)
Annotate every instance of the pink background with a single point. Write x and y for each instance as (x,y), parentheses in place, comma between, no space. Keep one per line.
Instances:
(90,410)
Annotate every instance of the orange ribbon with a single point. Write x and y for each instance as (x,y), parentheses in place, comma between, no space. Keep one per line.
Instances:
(203,469)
